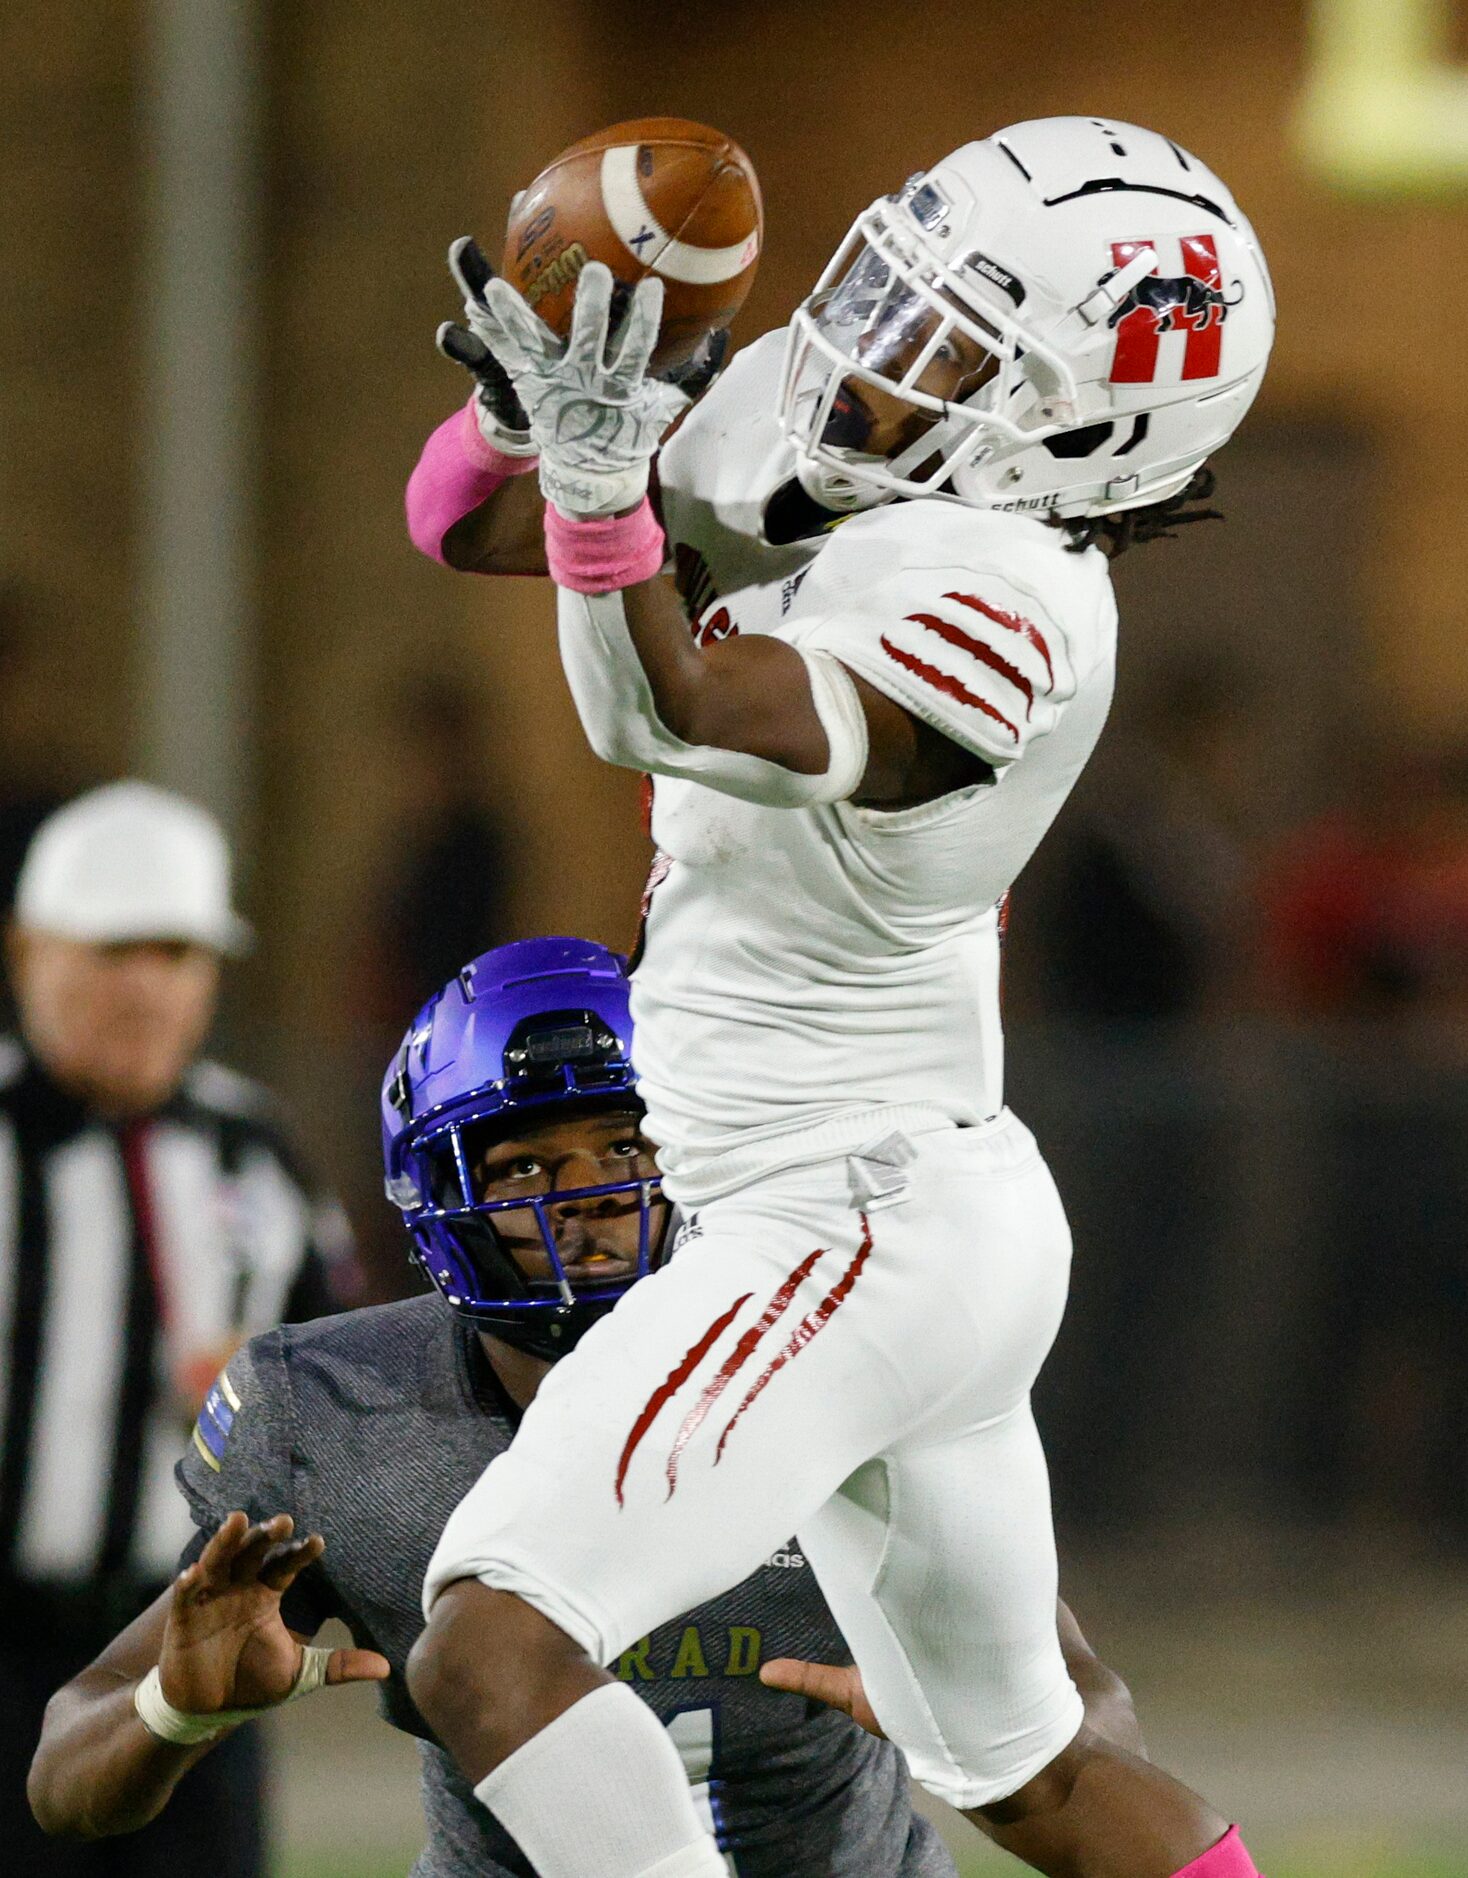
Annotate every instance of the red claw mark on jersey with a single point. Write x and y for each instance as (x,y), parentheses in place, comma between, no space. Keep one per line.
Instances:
(1011,622)
(719,625)
(671,1384)
(737,1358)
(950,687)
(1002,927)
(806,1332)
(662,866)
(695,583)
(693,579)
(986,655)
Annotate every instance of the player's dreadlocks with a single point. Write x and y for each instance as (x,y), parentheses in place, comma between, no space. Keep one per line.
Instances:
(1159,521)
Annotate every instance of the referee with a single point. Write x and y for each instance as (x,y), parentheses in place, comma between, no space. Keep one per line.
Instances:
(152,1216)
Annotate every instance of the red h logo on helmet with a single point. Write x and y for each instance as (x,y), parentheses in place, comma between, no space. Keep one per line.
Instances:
(1192,302)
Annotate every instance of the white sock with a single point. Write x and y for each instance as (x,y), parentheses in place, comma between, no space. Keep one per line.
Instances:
(601,1793)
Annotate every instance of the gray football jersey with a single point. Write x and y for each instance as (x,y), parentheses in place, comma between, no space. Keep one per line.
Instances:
(369,1428)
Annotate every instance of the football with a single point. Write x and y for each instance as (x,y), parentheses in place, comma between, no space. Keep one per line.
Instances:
(656,195)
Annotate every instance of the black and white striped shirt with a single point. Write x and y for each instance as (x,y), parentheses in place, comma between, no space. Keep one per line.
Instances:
(133,1258)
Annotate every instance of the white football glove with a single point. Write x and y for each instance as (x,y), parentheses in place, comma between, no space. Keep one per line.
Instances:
(595,416)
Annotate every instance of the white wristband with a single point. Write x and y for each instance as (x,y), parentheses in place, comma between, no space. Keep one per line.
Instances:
(161,1718)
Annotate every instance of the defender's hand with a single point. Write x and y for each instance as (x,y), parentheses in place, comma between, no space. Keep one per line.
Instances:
(226,1645)
(595,415)
(838,1686)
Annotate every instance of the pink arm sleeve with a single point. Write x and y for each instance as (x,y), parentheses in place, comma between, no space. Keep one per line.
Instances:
(456,472)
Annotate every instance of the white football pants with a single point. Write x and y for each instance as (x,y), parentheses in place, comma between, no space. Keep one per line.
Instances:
(860,1376)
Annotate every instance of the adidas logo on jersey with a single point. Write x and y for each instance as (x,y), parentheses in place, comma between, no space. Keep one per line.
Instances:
(685,1231)
(786,1561)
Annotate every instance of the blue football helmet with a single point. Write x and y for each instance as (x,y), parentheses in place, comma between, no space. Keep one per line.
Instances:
(528,1033)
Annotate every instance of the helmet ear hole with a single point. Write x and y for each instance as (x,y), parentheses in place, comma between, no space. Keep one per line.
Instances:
(1078,443)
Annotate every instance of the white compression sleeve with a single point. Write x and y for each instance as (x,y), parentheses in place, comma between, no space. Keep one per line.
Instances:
(619,715)
(602,1790)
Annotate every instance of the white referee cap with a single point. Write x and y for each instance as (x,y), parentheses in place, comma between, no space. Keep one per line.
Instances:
(130,861)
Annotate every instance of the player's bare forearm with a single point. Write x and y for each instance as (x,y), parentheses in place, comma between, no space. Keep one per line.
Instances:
(504,535)
(749,694)
(97,1770)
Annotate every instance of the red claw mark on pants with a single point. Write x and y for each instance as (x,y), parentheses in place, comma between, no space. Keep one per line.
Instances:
(736,1360)
(806,1332)
(671,1384)
(780,1300)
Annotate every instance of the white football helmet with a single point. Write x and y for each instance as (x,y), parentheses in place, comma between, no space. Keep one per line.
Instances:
(1117,298)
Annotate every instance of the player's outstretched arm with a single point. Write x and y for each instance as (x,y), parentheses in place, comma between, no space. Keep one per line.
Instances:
(209,1651)
(755,718)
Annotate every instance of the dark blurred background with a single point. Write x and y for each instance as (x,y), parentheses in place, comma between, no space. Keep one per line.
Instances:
(1237,978)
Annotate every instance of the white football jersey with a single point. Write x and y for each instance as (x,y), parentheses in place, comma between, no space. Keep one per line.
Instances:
(812,977)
